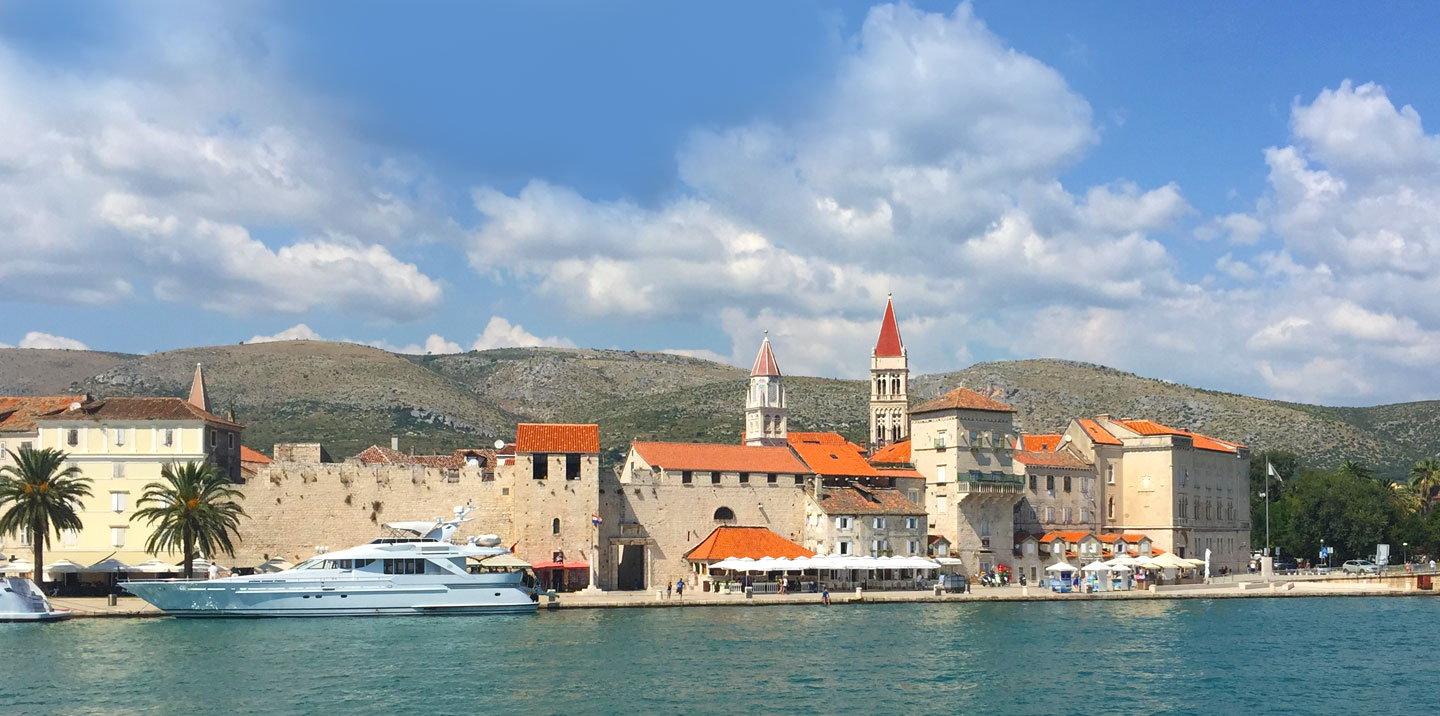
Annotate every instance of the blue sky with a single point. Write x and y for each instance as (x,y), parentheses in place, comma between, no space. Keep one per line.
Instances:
(1243,200)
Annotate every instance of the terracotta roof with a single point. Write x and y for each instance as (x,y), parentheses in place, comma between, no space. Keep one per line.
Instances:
(765,361)
(1039,443)
(17,413)
(1201,442)
(834,460)
(139,409)
(557,437)
(377,455)
(819,439)
(1060,458)
(1108,538)
(889,343)
(1133,537)
(248,454)
(856,500)
(1099,435)
(932,539)
(892,454)
(962,399)
(1068,536)
(899,472)
(720,458)
(753,542)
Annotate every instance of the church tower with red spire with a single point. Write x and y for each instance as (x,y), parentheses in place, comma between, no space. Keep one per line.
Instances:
(765,403)
(889,383)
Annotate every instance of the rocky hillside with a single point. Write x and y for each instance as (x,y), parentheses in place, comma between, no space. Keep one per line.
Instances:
(349,396)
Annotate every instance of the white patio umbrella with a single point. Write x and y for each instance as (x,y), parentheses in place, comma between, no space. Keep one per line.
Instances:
(1096,567)
(1170,561)
(1196,562)
(19,566)
(154,566)
(1061,566)
(109,565)
(64,566)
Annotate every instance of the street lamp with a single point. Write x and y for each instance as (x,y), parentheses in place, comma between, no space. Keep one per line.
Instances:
(1406,547)
(1323,553)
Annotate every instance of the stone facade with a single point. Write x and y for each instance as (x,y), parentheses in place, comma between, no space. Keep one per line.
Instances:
(889,385)
(867,522)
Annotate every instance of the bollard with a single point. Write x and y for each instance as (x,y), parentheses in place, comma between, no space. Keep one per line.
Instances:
(659,595)
(111,600)
(938,589)
(749,592)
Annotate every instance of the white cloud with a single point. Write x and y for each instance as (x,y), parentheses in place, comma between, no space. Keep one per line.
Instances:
(37,339)
(162,171)
(501,333)
(1238,229)
(1235,268)
(297,332)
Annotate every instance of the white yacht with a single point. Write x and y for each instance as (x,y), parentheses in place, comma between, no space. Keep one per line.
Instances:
(22,601)
(415,571)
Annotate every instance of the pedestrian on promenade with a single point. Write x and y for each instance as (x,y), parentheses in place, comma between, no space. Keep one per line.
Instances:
(668,585)
(680,589)
(784,585)
(214,570)
(825,596)
(1432,565)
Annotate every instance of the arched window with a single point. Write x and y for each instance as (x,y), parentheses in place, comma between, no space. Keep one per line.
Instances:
(724,514)
(555,526)
(895,385)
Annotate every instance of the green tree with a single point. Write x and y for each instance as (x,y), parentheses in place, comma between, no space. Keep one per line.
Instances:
(44,495)
(194,509)
(1425,481)
(1350,512)
(1355,470)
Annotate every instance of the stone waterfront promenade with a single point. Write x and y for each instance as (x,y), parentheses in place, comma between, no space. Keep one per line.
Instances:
(1389,586)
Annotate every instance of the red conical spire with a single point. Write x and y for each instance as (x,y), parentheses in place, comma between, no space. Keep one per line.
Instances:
(889,344)
(765,361)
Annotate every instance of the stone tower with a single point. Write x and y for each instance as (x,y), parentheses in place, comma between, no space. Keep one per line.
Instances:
(765,403)
(199,397)
(889,384)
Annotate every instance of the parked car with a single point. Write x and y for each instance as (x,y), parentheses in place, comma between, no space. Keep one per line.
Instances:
(1359,566)
(1286,565)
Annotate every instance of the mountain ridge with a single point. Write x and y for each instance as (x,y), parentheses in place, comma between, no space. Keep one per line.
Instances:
(349,396)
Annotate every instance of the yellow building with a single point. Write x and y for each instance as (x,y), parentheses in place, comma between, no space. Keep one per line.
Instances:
(122,444)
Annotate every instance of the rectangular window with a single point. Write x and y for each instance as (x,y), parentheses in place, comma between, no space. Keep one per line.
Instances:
(772,478)
(843,547)
(117,537)
(539,466)
(168,438)
(879,523)
(231,437)
(72,437)
(572,466)
(117,469)
(1050,483)
(940,475)
(875,548)
(941,504)
(915,497)
(119,436)
(912,547)
(214,438)
(1084,514)
(69,537)
(686,477)
(1067,515)
(26,445)
(117,501)
(715,478)
(1109,474)
(1067,483)
(842,523)
(912,523)
(1029,548)
(1033,480)
(744,478)
(800,479)
(1049,514)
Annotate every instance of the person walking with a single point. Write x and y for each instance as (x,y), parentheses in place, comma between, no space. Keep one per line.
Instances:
(214,570)
(825,596)
(680,589)
(668,585)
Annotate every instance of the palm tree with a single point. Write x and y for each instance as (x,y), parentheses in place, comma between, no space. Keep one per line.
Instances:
(193,509)
(1355,470)
(44,494)
(1425,480)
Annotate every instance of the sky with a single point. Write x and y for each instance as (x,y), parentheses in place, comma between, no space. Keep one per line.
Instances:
(1243,199)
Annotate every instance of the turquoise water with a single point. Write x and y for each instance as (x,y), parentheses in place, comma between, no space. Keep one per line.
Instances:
(1229,656)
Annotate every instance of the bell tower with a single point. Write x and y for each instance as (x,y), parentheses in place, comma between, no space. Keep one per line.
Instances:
(765,403)
(889,385)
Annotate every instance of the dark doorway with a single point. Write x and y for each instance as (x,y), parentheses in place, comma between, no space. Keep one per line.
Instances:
(632,568)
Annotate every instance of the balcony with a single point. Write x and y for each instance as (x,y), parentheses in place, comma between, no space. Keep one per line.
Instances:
(976,481)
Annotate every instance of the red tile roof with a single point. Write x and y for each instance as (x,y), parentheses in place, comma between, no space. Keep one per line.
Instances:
(1099,435)
(819,439)
(17,413)
(889,343)
(834,460)
(1039,443)
(899,472)
(1201,442)
(857,500)
(247,454)
(720,458)
(1059,458)
(138,409)
(1068,536)
(557,437)
(892,454)
(740,542)
(765,361)
(963,399)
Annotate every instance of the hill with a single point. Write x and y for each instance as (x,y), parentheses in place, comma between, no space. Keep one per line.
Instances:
(349,396)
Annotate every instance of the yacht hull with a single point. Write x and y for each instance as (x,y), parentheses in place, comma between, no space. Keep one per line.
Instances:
(342,598)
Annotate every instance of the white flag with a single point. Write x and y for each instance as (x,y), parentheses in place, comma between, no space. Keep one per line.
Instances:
(1270,470)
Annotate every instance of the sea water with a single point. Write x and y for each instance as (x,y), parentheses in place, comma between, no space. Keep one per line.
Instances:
(1226,656)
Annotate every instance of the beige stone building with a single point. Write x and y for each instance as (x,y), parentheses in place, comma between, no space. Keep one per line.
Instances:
(963,443)
(857,520)
(1186,491)
(18,429)
(1060,487)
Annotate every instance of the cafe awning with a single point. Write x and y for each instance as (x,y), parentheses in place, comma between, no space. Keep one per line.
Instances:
(540,566)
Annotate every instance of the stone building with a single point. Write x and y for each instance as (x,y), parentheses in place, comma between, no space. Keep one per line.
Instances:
(765,408)
(858,520)
(962,442)
(1060,490)
(555,493)
(18,429)
(889,385)
(1186,491)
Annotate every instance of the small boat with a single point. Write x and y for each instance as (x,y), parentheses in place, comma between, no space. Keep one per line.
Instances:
(22,601)
(415,570)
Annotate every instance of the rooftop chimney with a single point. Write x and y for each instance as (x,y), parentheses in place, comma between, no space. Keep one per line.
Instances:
(395,443)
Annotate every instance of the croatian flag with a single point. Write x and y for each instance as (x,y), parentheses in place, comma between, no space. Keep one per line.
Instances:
(595,519)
